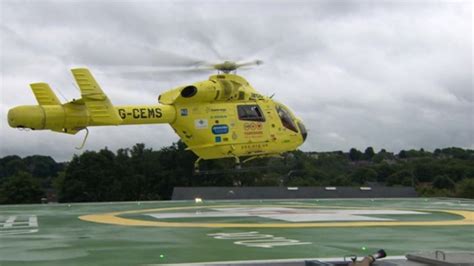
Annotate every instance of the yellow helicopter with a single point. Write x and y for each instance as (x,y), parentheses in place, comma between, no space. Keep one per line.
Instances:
(221,117)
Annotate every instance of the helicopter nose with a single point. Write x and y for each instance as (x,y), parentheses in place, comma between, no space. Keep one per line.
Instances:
(303,131)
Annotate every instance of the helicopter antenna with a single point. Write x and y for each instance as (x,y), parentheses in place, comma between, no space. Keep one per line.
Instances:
(75,85)
(61,94)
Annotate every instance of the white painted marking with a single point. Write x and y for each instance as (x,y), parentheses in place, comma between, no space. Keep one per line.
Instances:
(33,221)
(193,215)
(22,224)
(18,232)
(453,204)
(16,227)
(25,222)
(240,236)
(291,214)
(270,242)
(9,222)
(254,239)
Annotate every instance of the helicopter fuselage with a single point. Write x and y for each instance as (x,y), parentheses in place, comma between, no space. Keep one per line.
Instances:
(217,118)
(226,117)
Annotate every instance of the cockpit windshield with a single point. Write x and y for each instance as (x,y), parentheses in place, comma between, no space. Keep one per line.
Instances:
(303,130)
(286,118)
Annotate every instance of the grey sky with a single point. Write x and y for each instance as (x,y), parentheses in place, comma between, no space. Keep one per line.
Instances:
(387,74)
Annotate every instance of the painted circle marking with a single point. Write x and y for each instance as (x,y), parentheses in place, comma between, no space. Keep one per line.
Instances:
(114,218)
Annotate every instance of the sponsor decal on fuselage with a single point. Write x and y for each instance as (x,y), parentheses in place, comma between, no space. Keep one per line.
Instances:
(220,129)
(200,123)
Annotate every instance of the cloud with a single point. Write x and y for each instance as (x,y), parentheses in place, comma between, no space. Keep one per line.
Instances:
(392,75)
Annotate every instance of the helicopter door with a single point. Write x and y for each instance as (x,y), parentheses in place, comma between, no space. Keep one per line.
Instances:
(254,129)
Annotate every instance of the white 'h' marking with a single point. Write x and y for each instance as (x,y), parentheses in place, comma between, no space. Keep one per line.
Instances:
(14,225)
(33,221)
(9,222)
(291,214)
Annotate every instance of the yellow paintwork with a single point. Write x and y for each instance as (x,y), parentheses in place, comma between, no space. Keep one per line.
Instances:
(117,219)
(204,115)
(43,94)
(101,111)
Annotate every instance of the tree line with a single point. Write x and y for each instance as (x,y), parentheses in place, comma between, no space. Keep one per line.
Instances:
(141,173)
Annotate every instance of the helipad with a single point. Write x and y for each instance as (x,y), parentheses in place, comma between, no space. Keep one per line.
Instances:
(137,233)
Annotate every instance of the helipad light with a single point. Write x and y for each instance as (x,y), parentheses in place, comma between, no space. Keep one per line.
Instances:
(198,200)
(162,256)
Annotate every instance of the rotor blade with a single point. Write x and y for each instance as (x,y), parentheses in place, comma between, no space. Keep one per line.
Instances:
(169,59)
(252,63)
(138,55)
(146,73)
(209,43)
(154,75)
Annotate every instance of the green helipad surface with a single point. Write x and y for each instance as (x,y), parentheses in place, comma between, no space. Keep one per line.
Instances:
(137,233)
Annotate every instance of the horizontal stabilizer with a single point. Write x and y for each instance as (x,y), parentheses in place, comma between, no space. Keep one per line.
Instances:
(101,110)
(44,95)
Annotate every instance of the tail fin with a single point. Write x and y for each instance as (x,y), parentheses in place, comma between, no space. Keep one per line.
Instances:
(44,95)
(101,110)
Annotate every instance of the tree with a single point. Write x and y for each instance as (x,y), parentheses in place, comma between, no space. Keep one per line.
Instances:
(458,153)
(403,177)
(14,166)
(302,182)
(20,188)
(402,154)
(42,166)
(355,155)
(363,175)
(465,188)
(369,153)
(443,182)
(340,181)
(423,171)
(141,173)
(90,177)
(384,170)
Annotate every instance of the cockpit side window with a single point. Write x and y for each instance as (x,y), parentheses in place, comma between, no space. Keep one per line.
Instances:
(250,113)
(285,118)
(303,130)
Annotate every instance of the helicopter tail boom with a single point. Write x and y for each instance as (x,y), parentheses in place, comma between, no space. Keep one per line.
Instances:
(74,116)
(93,109)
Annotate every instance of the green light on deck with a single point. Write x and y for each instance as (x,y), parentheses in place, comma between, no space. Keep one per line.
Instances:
(162,256)
(364,248)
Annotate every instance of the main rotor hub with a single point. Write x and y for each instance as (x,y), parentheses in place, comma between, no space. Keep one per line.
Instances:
(226,67)
(229,66)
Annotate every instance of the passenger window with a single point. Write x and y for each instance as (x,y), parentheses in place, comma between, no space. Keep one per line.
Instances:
(285,118)
(250,113)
